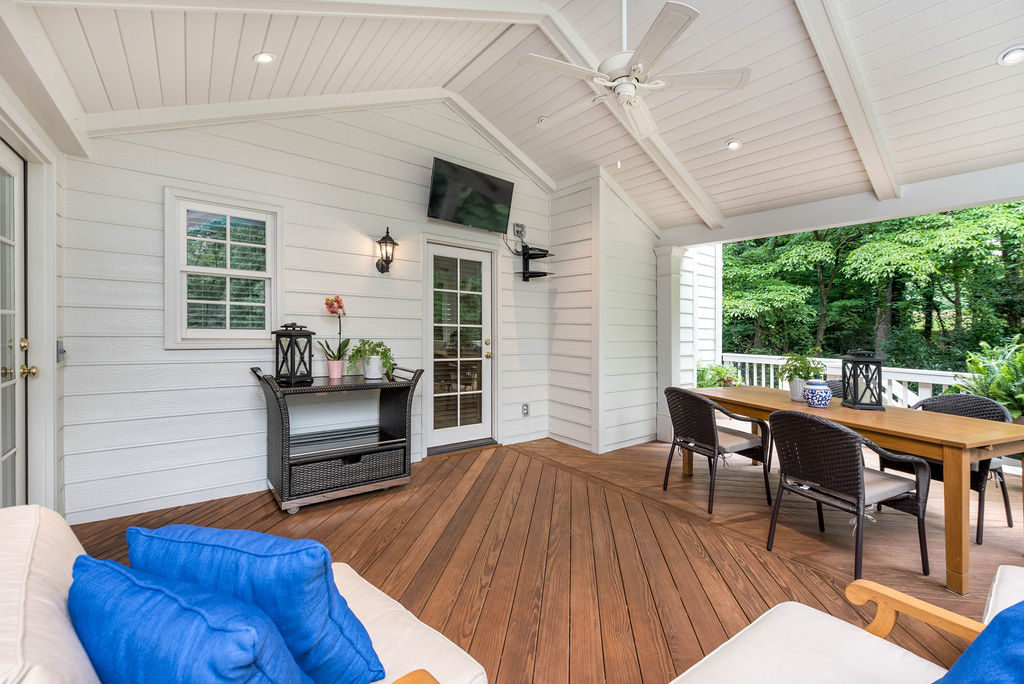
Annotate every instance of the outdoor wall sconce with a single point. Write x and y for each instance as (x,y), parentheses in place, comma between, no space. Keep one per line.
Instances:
(386,246)
(862,380)
(293,355)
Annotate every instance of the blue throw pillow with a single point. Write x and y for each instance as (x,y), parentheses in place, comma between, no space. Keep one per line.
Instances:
(288,579)
(997,655)
(138,627)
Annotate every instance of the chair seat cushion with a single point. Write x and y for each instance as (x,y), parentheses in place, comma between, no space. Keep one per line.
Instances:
(1007,590)
(731,440)
(879,486)
(796,644)
(404,643)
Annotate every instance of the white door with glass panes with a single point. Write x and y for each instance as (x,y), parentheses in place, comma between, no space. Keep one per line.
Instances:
(14,372)
(458,400)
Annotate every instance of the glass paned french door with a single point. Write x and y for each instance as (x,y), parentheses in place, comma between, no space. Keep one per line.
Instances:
(12,396)
(459,311)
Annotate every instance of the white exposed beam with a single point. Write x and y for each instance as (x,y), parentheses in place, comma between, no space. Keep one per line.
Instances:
(30,67)
(164,118)
(489,56)
(974,189)
(508,11)
(570,44)
(822,21)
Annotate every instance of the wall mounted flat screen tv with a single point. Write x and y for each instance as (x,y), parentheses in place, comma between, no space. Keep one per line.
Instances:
(469,198)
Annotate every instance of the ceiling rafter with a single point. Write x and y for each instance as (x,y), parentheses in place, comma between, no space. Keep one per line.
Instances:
(830,42)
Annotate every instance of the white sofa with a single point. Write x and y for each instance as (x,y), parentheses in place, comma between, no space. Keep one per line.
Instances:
(38,644)
(796,644)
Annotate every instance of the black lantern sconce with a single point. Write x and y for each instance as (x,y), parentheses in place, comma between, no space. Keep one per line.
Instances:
(862,381)
(386,246)
(293,355)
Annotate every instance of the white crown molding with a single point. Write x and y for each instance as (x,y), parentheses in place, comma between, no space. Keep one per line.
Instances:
(835,54)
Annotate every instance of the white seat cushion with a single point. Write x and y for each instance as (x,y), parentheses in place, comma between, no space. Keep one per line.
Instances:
(1007,590)
(38,644)
(793,643)
(878,486)
(731,440)
(402,642)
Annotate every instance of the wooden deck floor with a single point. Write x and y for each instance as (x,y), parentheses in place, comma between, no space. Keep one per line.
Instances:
(551,564)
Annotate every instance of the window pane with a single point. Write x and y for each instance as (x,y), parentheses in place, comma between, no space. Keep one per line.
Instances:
(248,290)
(210,288)
(248,230)
(471,343)
(446,273)
(206,316)
(248,258)
(469,377)
(247,317)
(446,412)
(470,309)
(203,253)
(445,373)
(470,275)
(445,307)
(206,225)
(470,409)
(446,342)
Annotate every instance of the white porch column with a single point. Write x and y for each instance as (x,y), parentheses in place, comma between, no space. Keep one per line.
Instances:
(669,260)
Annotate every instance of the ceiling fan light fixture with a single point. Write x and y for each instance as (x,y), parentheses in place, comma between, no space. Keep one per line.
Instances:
(1011,56)
(733,144)
(264,57)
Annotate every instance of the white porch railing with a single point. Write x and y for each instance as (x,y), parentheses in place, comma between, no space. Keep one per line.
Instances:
(902,386)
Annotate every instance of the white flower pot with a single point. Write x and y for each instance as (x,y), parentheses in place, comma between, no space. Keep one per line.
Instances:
(796,389)
(373,368)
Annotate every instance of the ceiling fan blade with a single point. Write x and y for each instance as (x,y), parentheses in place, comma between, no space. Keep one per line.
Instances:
(559,67)
(726,79)
(672,20)
(640,117)
(549,120)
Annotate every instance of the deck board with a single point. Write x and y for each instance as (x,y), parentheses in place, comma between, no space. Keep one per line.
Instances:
(551,564)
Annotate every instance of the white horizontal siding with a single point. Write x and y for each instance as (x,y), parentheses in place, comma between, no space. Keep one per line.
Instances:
(700,311)
(147,428)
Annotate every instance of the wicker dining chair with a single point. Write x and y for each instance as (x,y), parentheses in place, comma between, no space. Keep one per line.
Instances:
(837,388)
(823,461)
(695,428)
(971,406)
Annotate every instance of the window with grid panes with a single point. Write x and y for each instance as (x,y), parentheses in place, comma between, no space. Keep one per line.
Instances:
(225,278)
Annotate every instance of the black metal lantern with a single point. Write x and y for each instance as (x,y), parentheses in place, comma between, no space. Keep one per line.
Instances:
(862,380)
(386,246)
(293,355)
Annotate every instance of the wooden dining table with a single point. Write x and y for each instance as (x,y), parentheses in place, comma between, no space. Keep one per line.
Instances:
(954,440)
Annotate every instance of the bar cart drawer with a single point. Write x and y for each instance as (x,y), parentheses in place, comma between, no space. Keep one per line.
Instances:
(346,471)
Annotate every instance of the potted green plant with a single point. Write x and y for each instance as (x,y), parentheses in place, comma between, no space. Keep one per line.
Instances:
(717,375)
(997,373)
(797,369)
(376,358)
(335,355)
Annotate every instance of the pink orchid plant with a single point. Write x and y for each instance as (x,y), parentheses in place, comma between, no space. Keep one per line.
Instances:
(336,307)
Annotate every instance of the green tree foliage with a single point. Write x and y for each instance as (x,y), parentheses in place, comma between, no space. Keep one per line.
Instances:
(924,290)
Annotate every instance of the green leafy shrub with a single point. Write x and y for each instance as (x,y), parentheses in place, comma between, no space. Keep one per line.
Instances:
(800,366)
(998,373)
(367,348)
(716,375)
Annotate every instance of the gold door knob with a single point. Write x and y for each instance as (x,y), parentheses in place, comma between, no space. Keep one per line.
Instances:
(23,344)
(487,340)
(6,372)
(26,371)
(487,355)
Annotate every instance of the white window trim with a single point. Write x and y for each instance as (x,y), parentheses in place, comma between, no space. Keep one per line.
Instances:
(176,336)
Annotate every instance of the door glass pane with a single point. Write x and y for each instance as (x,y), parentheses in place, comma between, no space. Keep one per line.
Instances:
(469,376)
(469,413)
(470,276)
(6,205)
(8,480)
(445,374)
(471,343)
(446,342)
(6,275)
(446,273)
(446,306)
(446,412)
(7,404)
(7,342)
(470,309)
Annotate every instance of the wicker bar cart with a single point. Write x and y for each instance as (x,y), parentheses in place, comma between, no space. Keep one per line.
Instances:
(311,467)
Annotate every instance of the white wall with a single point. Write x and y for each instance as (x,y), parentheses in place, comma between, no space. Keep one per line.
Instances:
(700,293)
(147,428)
(628,326)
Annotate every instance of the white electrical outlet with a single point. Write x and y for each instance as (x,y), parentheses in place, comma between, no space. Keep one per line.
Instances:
(526,409)
(519,230)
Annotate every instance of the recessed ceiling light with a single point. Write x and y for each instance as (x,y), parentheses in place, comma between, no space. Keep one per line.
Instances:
(264,57)
(733,144)
(1011,55)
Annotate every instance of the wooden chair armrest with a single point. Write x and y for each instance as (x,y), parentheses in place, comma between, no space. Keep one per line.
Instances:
(417,677)
(890,602)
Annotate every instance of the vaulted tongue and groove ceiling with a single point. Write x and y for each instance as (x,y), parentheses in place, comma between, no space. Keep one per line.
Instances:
(845,96)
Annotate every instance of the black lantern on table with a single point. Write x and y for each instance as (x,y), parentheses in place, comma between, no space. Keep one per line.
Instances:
(862,380)
(293,355)
(386,246)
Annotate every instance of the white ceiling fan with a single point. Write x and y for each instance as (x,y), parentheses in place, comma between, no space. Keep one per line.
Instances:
(627,74)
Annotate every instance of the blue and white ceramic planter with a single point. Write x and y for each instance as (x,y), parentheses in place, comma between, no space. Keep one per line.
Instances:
(817,393)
